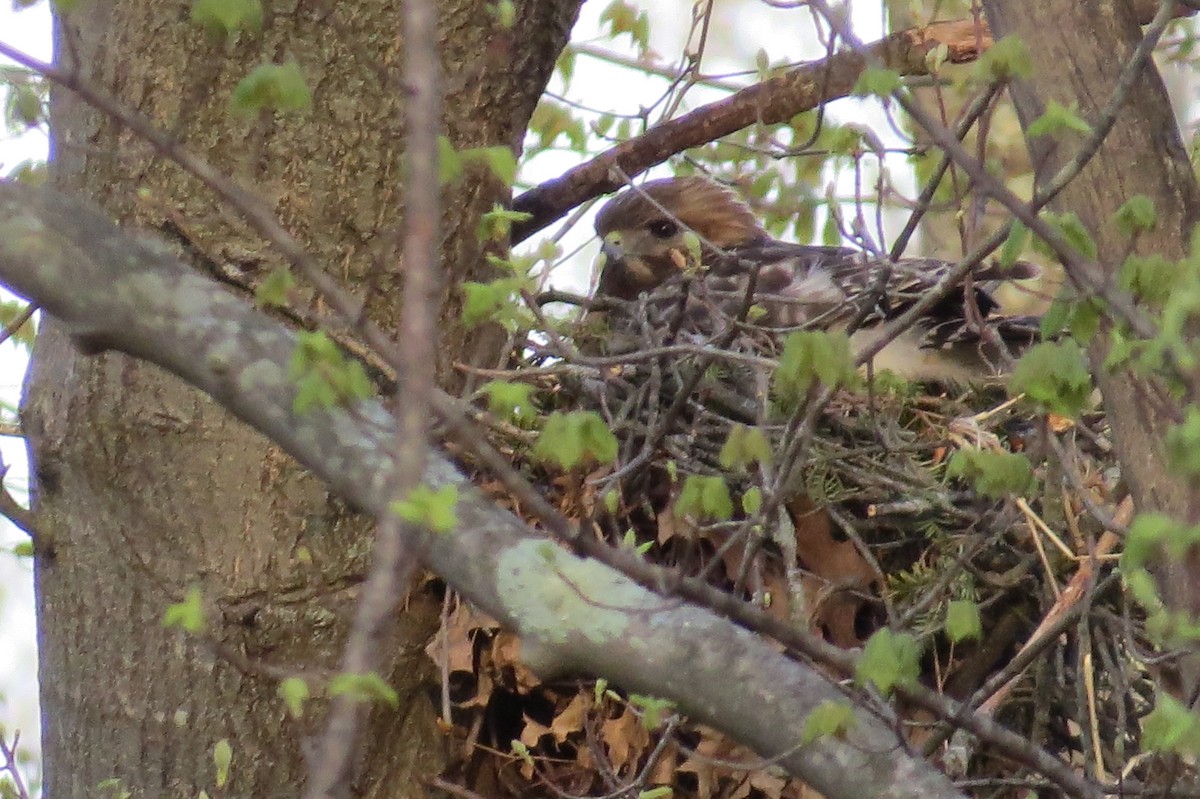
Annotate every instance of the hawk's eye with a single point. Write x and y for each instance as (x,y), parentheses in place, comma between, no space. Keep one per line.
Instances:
(663,228)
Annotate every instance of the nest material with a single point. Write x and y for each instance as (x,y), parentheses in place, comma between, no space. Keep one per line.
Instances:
(865,531)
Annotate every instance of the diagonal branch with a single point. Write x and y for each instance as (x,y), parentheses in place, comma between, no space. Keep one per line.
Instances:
(775,100)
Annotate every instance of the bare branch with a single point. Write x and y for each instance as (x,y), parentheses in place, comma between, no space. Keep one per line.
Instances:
(772,101)
(395,557)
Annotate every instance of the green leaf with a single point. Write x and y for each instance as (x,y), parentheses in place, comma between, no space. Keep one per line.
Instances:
(744,446)
(622,17)
(24,108)
(499,159)
(496,224)
(273,291)
(656,793)
(551,120)
(294,693)
(31,172)
(271,87)
(187,615)
(364,688)
(325,377)
(963,621)
(752,501)
(1014,244)
(1005,60)
(1143,588)
(1136,215)
(113,788)
(1071,228)
(23,549)
(877,81)
(507,400)
(566,68)
(993,474)
(841,140)
(223,17)
(889,659)
(450,166)
(1056,119)
(652,709)
(1054,375)
(813,356)
(1147,533)
(10,312)
(1171,727)
(522,751)
(505,12)
(434,510)
(492,302)
(1183,443)
(222,759)
(1153,278)
(830,719)
(569,439)
(704,497)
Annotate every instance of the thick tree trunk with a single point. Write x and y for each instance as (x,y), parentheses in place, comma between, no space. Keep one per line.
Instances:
(143,487)
(1078,50)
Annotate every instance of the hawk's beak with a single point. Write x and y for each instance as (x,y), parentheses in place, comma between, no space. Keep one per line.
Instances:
(611,250)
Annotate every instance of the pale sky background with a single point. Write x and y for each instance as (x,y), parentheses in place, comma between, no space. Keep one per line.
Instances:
(740,28)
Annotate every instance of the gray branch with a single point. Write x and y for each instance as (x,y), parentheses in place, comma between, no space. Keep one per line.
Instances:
(112,290)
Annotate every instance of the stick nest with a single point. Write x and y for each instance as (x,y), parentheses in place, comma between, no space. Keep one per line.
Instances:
(846,521)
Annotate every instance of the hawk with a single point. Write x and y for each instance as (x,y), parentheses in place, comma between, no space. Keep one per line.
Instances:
(692,234)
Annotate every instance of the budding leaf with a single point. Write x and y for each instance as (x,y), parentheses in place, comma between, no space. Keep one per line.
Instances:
(704,497)
(1057,118)
(877,81)
(434,510)
(272,87)
(889,659)
(1136,215)
(1006,59)
(187,615)
(222,759)
(223,17)
(1171,727)
(993,474)
(364,688)
(294,692)
(962,620)
(830,719)
(1055,376)
(569,439)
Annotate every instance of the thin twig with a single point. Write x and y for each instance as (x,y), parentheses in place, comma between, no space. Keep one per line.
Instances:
(394,559)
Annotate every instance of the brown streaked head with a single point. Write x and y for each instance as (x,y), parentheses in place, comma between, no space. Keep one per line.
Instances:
(642,230)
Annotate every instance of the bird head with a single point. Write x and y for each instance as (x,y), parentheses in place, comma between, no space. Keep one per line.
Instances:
(652,232)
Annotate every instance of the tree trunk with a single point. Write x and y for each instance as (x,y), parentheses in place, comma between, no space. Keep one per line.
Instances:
(143,487)
(1078,60)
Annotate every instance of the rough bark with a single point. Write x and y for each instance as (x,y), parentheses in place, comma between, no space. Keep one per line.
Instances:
(144,487)
(1077,60)
(574,615)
